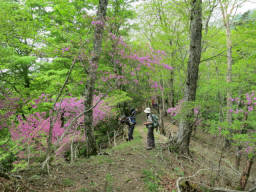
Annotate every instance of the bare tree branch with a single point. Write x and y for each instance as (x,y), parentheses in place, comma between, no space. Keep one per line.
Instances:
(210,58)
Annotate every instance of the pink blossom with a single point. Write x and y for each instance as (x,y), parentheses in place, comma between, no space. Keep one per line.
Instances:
(230,99)
(155,85)
(172,111)
(98,22)
(163,53)
(136,81)
(132,73)
(196,111)
(250,108)
(167,67)
(34,106)
(248,149)
(34,129)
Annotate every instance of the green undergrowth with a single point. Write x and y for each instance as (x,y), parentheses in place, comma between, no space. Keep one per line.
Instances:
(108,183)
(67,182)
(151,180)
(82,190)
(124,145)
(101,159)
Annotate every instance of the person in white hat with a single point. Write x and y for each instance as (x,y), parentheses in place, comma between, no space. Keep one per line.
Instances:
(150,127)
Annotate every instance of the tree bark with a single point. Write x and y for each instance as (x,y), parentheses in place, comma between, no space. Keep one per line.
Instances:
(185,125)
(171,96)
(162,110)
(91,147)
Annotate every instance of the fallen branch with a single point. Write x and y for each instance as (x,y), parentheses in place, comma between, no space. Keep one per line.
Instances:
(181,178)
(232,168)
(253,189)
(45,163)
(217,189)
(17,176)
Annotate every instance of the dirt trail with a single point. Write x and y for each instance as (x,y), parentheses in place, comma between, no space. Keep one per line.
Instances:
(126,167)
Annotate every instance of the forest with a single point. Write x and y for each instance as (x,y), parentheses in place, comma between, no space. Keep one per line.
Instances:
(72,70)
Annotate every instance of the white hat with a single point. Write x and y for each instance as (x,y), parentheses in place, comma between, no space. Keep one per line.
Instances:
(147,110)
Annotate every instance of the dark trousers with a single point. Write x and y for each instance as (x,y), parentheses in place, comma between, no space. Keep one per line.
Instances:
(150,137)
(130,132)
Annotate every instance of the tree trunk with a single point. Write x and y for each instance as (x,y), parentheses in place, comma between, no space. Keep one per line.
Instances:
(229,72)
(171,96)
(246,173)
(91,147)
(226,21)
(239,148)
(229,76)
(162,97)
(161,116)
(185,125)
(162,110)
(238,157)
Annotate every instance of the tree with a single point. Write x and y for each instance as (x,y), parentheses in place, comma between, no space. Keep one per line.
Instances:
(185,124)
(99,23)
(228,8)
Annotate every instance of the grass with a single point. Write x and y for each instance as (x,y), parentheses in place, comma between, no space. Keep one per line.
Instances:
(102,159)
(109,181)
(124,145)
(82,190)
(34,178)
(179,171)
(151,180)
(67,182)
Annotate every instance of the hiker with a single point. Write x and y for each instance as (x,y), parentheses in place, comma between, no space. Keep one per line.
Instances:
(154,103)
(150,126)
(131,122)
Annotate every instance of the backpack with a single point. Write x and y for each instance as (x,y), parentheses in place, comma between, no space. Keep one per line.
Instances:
(131,120)
(155,120)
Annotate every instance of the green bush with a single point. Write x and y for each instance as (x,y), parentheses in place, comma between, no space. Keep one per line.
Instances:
(8,150)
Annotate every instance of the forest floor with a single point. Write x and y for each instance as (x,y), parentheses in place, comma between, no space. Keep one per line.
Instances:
(128,167)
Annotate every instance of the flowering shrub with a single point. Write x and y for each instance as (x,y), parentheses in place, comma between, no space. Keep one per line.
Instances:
(33,130)
(173,111)
(242,130)
(133,65)
(181,109)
